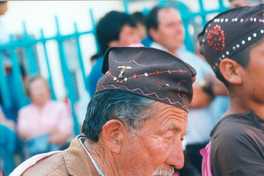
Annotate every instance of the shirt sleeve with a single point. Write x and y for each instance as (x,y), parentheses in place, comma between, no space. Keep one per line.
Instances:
(22,119)
(65,121)
(237,151)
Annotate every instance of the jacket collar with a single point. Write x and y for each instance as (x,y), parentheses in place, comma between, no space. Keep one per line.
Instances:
(77,161)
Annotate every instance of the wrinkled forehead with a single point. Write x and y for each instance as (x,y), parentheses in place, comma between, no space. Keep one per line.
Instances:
(162,110)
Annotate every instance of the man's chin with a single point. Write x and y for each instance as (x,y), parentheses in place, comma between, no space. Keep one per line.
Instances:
(163,172)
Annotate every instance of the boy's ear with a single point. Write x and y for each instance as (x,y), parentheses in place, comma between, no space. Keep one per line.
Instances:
(231,71)
(113,133)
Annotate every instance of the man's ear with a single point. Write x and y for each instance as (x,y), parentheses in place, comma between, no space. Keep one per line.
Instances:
(153,33)
(113,133)
(231,71)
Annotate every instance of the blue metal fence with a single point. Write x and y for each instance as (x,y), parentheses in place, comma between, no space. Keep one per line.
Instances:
(27,42)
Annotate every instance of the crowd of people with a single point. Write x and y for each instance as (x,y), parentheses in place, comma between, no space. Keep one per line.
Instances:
(151,106)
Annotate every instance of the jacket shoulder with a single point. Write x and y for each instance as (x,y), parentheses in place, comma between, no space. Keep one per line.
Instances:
(50,166)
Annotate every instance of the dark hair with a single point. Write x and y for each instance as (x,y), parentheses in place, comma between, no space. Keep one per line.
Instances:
(242,57)
(152,18)
(110,26)
(139,17)
(131,109)
(95,57)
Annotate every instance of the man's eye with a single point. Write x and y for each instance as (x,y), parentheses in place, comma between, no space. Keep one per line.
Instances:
(168,138)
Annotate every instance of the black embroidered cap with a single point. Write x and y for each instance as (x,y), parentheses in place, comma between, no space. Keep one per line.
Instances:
(230,32)
(148,72)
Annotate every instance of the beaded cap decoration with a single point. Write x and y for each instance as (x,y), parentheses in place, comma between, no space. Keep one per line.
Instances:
(148,72)
(230,32)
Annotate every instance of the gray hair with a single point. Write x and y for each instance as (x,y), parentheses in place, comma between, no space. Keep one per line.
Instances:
(131,109)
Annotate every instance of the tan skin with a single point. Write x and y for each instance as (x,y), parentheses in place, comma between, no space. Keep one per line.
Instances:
(246,90)
(40,95)
(238,3)
(3,8)
(170,34)
(128,35)
(158,144)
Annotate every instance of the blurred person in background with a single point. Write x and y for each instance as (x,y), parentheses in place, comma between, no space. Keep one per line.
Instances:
(5,56)
(44,125)
(240,3)
(114,29)
(8,136)
(8,139)
(165,27)
(142,28)
(140,21)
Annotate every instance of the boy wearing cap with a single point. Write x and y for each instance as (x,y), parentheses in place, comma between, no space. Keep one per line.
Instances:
(233,44)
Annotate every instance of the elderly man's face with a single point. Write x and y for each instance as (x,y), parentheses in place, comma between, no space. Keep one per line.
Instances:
(157,147)
(170,32)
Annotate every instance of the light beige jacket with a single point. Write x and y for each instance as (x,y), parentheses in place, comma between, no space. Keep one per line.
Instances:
(72,161)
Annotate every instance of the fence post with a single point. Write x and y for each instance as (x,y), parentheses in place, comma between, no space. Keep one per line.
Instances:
(94,29)
(202,11)
(79,54)
(67,79)
(48,65)
(16,78)
(125,5)
(31,62)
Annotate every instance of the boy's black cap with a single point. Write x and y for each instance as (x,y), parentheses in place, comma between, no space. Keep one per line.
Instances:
(148,72)
(230,32)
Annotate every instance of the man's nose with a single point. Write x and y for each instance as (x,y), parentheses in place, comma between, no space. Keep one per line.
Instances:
(176,157)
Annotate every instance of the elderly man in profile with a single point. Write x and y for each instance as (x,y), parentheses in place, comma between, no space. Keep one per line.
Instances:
(165,27)
(134,124)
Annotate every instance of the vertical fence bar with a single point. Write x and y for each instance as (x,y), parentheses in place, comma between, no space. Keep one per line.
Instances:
(31,60)
(184,11)
(94,29)
(48,66)
(221,5)
(79,54)
(5,93)
(202,11)
(67,79)
(163,3)
(16,78)
(125,5)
